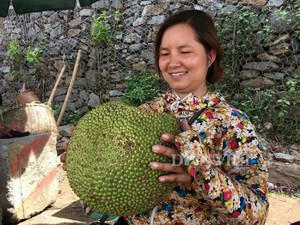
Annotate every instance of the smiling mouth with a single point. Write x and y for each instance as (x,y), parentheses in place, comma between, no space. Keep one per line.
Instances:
(177,74)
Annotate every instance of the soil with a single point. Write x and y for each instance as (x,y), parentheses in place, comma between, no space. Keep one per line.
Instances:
(67,210)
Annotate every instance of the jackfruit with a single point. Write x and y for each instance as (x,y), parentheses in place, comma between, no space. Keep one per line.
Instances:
(109,154)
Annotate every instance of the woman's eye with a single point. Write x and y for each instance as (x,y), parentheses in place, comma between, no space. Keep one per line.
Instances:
(164,54)
(185,52)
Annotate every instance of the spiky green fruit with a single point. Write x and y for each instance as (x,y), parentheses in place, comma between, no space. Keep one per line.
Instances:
(109,154)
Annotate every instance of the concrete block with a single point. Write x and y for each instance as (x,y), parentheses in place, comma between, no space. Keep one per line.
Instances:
(28,173)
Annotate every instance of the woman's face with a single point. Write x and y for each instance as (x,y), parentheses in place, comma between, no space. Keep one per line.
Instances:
(183,61)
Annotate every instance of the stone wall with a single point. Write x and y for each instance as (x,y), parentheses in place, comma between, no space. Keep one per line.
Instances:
(102,70)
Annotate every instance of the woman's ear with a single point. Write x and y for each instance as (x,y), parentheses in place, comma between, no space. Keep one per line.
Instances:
(212,54)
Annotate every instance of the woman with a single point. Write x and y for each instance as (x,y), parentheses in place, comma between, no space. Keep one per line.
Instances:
(225,181)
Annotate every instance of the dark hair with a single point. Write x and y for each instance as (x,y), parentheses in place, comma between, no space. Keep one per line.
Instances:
(206,33)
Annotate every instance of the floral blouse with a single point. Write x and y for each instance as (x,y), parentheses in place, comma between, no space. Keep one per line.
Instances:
(224,159)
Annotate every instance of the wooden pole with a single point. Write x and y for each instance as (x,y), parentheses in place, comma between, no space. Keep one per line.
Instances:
(69,89)
(56,85)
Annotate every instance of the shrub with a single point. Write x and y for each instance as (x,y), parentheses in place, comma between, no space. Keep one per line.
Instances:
(141,88)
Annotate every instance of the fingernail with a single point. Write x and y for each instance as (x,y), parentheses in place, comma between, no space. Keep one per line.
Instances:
(161,179)
(155,148)
(153,165)
(165,137)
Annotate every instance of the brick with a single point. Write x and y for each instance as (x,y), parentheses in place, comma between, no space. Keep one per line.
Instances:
(28,171)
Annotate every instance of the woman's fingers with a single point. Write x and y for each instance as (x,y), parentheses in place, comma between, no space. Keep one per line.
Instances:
(170,138)
(167,167)
(184,125)
(166,151)
(177,178)
(176,172)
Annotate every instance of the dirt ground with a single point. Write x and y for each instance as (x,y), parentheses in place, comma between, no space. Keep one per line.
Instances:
(67,209)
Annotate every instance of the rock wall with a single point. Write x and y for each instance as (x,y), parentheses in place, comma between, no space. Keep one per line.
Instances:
(102,68)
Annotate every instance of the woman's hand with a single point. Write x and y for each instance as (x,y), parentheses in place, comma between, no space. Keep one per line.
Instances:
(177,171)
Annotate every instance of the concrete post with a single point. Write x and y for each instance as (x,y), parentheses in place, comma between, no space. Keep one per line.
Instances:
(28,175)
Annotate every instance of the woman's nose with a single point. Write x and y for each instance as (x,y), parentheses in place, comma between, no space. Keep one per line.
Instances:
(174,61)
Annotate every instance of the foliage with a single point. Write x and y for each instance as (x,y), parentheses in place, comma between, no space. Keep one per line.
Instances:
(68,118)
(245,32)
(141,88)
(271,106)
(237,31)
(297,15)
(288,14)
(30,54)
(14,50)
(23,58)
(105,27)
(33,55)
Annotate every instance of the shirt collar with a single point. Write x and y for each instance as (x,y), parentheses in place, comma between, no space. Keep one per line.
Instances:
(185,107)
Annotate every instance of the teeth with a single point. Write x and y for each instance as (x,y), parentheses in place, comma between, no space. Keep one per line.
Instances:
(177,73)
